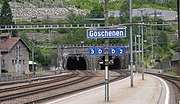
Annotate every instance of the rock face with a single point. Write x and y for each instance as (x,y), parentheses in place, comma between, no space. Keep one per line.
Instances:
(22,10)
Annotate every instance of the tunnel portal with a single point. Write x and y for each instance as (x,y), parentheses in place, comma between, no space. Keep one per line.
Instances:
(76,62)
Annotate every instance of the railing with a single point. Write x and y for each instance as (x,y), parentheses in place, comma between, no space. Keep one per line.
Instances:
(51,26)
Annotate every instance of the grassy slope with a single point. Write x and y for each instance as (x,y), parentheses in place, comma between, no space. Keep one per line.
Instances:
(88,4)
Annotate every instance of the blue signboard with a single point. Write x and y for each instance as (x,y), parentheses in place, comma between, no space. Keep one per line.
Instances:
(112,51)
(96,51)
(100,51)
(91,51)
(121,50)
(106,33)
(117,51)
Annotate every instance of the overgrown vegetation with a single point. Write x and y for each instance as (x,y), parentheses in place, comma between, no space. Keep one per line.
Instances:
(116,5)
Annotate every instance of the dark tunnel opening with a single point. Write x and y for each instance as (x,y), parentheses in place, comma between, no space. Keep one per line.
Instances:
(76,63)
(115,66)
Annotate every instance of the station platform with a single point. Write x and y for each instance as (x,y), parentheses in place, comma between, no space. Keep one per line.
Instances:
(151,90)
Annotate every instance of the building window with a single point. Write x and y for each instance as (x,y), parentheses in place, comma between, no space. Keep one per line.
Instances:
(23,62)
(3,63)
(13,62)
(18,50)
(20,61)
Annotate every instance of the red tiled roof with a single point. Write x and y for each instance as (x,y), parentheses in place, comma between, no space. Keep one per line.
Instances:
(8,45)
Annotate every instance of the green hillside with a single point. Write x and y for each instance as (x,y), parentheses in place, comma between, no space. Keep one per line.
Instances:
(90,4)
(1,1)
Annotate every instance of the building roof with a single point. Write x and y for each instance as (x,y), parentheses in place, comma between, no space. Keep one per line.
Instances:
(10,43)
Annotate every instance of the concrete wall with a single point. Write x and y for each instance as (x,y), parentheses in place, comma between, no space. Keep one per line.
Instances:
(176,66)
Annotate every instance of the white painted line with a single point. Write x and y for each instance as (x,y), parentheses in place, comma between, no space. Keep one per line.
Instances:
(167,90)
(80,93)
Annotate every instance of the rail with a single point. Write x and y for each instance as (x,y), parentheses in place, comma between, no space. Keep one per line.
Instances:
(175,80)
(22,91)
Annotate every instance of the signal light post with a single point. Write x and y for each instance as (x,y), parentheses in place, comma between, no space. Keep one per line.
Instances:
(106,55)
(106,33)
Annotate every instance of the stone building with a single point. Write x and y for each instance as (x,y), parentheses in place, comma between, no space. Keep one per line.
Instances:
(15,54)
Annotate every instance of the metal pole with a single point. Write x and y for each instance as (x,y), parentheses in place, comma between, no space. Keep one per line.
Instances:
(62,52)
(17,57)
(0,61)
(135,53)
(0,57)
(106,13)
(152,50)
(33,57)
(15,11)
(142,44)
(106,70)
(131,46)
(106,55)
(58,64)
(139,47)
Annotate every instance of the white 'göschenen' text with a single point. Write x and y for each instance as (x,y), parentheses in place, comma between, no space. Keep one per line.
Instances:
(106,33)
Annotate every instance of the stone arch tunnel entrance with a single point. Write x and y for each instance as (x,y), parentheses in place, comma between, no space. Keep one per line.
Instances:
(76,62)
(115,66)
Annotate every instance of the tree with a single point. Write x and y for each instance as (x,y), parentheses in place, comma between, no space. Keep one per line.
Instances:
(124,11)
(96,12)
(6,16)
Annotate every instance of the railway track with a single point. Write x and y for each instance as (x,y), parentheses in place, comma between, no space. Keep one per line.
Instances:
(32,89)
(121,75)
(40,81)
(46,90)
(34,79)
(175,80)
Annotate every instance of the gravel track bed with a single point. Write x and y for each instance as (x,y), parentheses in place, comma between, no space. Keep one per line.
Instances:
(37,87)
(93,81)
(40,79)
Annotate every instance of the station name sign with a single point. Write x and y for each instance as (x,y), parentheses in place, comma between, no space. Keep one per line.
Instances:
(106,33)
